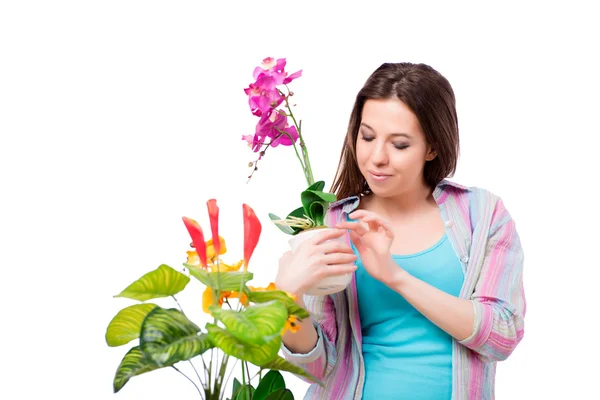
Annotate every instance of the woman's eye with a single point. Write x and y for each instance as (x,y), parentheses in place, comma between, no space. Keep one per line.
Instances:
(367,138)
(401,146)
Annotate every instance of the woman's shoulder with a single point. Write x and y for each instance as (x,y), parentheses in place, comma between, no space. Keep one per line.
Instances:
(447,188)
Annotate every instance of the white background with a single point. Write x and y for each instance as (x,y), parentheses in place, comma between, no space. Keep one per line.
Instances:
(117,118)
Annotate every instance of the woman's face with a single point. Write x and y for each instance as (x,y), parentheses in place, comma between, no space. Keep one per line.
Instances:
(391,149)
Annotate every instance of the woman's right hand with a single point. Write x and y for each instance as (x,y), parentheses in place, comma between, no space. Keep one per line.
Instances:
(319,257)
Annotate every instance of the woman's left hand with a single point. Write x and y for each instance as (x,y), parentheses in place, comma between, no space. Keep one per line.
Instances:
(373,236)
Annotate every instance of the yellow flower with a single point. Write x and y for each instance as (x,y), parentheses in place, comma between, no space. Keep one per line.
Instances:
(222,267)
(260,289)
(291,325)
(210,249)
(208,298)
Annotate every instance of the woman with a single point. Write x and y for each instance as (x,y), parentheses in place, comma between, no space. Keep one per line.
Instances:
(437,296)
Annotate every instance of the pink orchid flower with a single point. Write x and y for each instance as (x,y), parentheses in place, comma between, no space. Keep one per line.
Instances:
(263,95)
(271,125)
(275,69)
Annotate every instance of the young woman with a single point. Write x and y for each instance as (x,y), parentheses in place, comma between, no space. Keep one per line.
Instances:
(437,295)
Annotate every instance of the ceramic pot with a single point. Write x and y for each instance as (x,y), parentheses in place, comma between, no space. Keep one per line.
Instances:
(332,284)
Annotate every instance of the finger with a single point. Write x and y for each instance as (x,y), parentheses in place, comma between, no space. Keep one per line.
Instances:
(327,235)
(339,258)
(336,246)
(337,269)
(357,241)
(355,226)
(376,222)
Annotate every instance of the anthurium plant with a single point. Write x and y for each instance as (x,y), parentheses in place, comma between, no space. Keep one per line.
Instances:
(247,322)
(269,99)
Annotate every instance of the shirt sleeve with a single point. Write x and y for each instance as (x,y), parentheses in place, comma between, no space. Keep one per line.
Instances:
(320,361)
(499,298)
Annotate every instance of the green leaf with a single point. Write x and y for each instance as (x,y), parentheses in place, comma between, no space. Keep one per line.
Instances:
(256,354)
(236,388)
(292,307)
(272,381)
(134,363)
(283,228)
(162,282)
(169,337)
(280,364)
(230,281)
(257,324)
(315,202)
(126,325)
(318,186)
(281,394)
(246,392)
(199,273)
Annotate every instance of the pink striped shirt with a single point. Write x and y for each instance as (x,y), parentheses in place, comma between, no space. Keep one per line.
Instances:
(483,236)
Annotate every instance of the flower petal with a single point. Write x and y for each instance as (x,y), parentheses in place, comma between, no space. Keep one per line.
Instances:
(195,232)
(252,229)
(207,299)
(213,214)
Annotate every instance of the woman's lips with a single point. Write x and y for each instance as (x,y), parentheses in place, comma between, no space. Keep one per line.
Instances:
(377,177)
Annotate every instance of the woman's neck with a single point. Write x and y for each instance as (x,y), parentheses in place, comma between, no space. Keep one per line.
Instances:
(411,202)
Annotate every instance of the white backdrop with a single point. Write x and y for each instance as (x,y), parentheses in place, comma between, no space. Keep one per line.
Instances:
(117,118)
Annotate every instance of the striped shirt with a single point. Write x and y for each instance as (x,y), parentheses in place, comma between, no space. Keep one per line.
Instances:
(483,236)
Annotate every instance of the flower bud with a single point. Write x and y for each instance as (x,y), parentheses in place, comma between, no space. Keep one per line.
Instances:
(291,93)
(250,164)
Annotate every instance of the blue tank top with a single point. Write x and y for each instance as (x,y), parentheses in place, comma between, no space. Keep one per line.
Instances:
(407,356)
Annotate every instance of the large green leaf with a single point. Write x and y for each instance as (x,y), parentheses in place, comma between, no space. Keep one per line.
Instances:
(292,307)
(230,281)
(162,282)
(269,383)
(168,337)
(315,204)
(281,394)
(256,354)
(126,325)
(257,324)
(134,363)
(281,364)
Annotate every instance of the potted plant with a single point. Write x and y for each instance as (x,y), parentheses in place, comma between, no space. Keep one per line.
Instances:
(247,322)
(269,99)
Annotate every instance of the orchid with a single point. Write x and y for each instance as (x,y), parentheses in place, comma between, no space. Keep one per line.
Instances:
(268,92)
(247,322)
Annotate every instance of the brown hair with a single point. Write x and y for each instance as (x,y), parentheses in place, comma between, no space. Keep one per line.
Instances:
(430,97)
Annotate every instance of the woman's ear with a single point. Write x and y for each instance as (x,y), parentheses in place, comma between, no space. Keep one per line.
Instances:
(431,154)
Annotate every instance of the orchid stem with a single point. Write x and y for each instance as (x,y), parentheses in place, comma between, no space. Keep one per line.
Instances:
(306,166)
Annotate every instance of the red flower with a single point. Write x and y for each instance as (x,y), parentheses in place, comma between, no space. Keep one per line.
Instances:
(252,229)
(195,232)
(213,214)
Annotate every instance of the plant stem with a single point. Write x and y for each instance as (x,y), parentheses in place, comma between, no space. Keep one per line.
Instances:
(248,392)
(307,168)
(197,374)
(296,150)
(187,377)
(180,309)
(230,372)
(221,376)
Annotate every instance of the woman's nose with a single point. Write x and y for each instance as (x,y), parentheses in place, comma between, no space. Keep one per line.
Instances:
(379,155)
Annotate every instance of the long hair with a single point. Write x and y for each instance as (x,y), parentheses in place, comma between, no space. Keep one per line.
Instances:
(430,97)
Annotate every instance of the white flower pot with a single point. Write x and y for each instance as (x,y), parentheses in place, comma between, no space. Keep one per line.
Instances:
(332,284)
